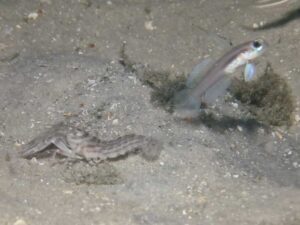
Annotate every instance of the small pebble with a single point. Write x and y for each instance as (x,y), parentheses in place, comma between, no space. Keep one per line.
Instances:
(68,192)
(33,16)
(17,144)
(20,222)
(149,25)
(255,25)
(115,121)
(235,105)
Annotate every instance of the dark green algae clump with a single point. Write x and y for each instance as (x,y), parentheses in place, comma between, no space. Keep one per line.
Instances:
(269,98)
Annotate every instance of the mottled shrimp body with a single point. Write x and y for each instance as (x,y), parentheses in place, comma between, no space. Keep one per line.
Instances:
(77,144)
(104,150)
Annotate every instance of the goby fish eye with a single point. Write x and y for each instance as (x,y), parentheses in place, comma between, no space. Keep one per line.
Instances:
(257,45)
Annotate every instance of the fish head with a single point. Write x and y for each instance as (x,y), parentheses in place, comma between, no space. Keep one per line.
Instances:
(255,49)
(244,53)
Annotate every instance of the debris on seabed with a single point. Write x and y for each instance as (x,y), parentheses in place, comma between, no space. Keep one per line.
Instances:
(269,98)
